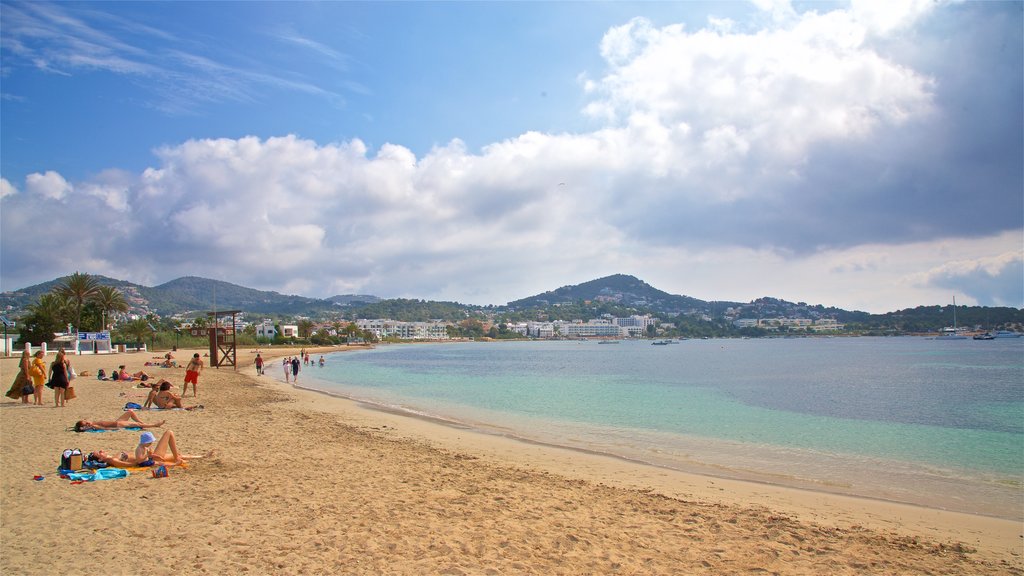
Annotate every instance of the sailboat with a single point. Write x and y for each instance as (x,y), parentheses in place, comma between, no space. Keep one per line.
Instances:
(951,335)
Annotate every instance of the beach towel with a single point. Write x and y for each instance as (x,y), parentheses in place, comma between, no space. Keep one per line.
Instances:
(131,428)
(99,474)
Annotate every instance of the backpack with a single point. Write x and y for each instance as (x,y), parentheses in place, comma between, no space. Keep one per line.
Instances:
(71,459)
(101,374)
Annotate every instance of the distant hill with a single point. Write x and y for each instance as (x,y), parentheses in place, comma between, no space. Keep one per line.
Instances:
(194,294)
(619,293)
(620,289)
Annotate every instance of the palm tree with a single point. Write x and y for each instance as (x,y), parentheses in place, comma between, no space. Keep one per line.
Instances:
(78,289)
(109,299)
(138,329)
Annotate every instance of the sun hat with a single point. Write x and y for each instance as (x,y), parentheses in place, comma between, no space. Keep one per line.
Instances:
(147,438)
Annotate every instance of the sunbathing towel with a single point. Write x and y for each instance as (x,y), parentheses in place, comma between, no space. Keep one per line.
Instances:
(131,428)
(99,474)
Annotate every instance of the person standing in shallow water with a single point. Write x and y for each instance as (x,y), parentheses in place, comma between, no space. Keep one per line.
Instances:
(195,366)
(295,369)
(287,363)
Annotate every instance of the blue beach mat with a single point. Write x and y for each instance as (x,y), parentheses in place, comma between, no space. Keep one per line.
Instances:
(130,428)
(99,474)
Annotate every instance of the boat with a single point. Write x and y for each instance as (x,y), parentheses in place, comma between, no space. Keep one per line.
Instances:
(608,342)
(985,336)
(953,334)
(1007,334)
(661,343)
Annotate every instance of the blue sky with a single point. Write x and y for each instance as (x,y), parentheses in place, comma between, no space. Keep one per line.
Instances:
(864,155)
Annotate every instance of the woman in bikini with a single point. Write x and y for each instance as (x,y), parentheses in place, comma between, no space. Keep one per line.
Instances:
(127,420)
(166,400)
(165,452)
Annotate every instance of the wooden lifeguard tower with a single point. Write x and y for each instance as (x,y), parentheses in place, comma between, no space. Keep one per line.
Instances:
(223,348)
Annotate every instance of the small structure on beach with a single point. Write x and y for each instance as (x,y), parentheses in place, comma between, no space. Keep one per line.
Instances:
(223,348)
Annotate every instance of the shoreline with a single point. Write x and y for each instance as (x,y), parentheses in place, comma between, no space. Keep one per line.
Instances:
(803,502)
(909,482)
(726,474)
(305,482)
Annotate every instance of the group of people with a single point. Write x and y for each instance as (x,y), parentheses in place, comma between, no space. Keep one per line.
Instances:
(33,375)
(291,365)
(145,454)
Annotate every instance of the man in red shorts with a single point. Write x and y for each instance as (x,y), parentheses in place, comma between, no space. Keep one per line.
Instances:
(195,366)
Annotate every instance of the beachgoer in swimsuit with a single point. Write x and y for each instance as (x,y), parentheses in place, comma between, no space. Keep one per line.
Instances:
(166,399)
(127,420)
(165,452)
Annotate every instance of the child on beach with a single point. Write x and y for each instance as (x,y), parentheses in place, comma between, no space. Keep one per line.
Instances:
(259,364)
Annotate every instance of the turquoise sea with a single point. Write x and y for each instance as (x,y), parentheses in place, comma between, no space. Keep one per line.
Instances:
(913,420)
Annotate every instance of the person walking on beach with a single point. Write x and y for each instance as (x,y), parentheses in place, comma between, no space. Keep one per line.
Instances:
(295,369)
(38,374)
(259,364)
(195,366)
(287,363)
(59,379)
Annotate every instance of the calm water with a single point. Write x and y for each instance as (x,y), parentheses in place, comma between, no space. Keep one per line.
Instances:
(906,419)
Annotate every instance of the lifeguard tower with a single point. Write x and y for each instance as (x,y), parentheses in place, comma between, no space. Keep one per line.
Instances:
(223,348)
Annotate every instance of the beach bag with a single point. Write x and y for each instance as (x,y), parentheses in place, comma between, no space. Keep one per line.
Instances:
(101,375)
(72,374)
(160,472)
(114,375)
(70,393)
(28,390)
(133,406)
(71,459)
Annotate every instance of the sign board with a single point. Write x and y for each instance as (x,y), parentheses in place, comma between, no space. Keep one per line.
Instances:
(94,335)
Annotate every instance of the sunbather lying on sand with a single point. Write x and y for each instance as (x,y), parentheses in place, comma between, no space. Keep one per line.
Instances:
(127,420)
(165,452)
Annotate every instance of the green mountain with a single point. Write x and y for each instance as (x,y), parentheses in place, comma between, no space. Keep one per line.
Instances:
(191,294)
(619,289)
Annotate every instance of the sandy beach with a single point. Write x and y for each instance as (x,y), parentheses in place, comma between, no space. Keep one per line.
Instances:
(298,482)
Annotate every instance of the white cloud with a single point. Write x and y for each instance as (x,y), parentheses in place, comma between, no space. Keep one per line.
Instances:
(6,188)
(796,86)
(49,185)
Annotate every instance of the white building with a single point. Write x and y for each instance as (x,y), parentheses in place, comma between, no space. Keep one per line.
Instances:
(636,325)
(590,329)
(265,329)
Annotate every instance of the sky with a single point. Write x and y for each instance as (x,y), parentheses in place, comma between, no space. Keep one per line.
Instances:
(864,155)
